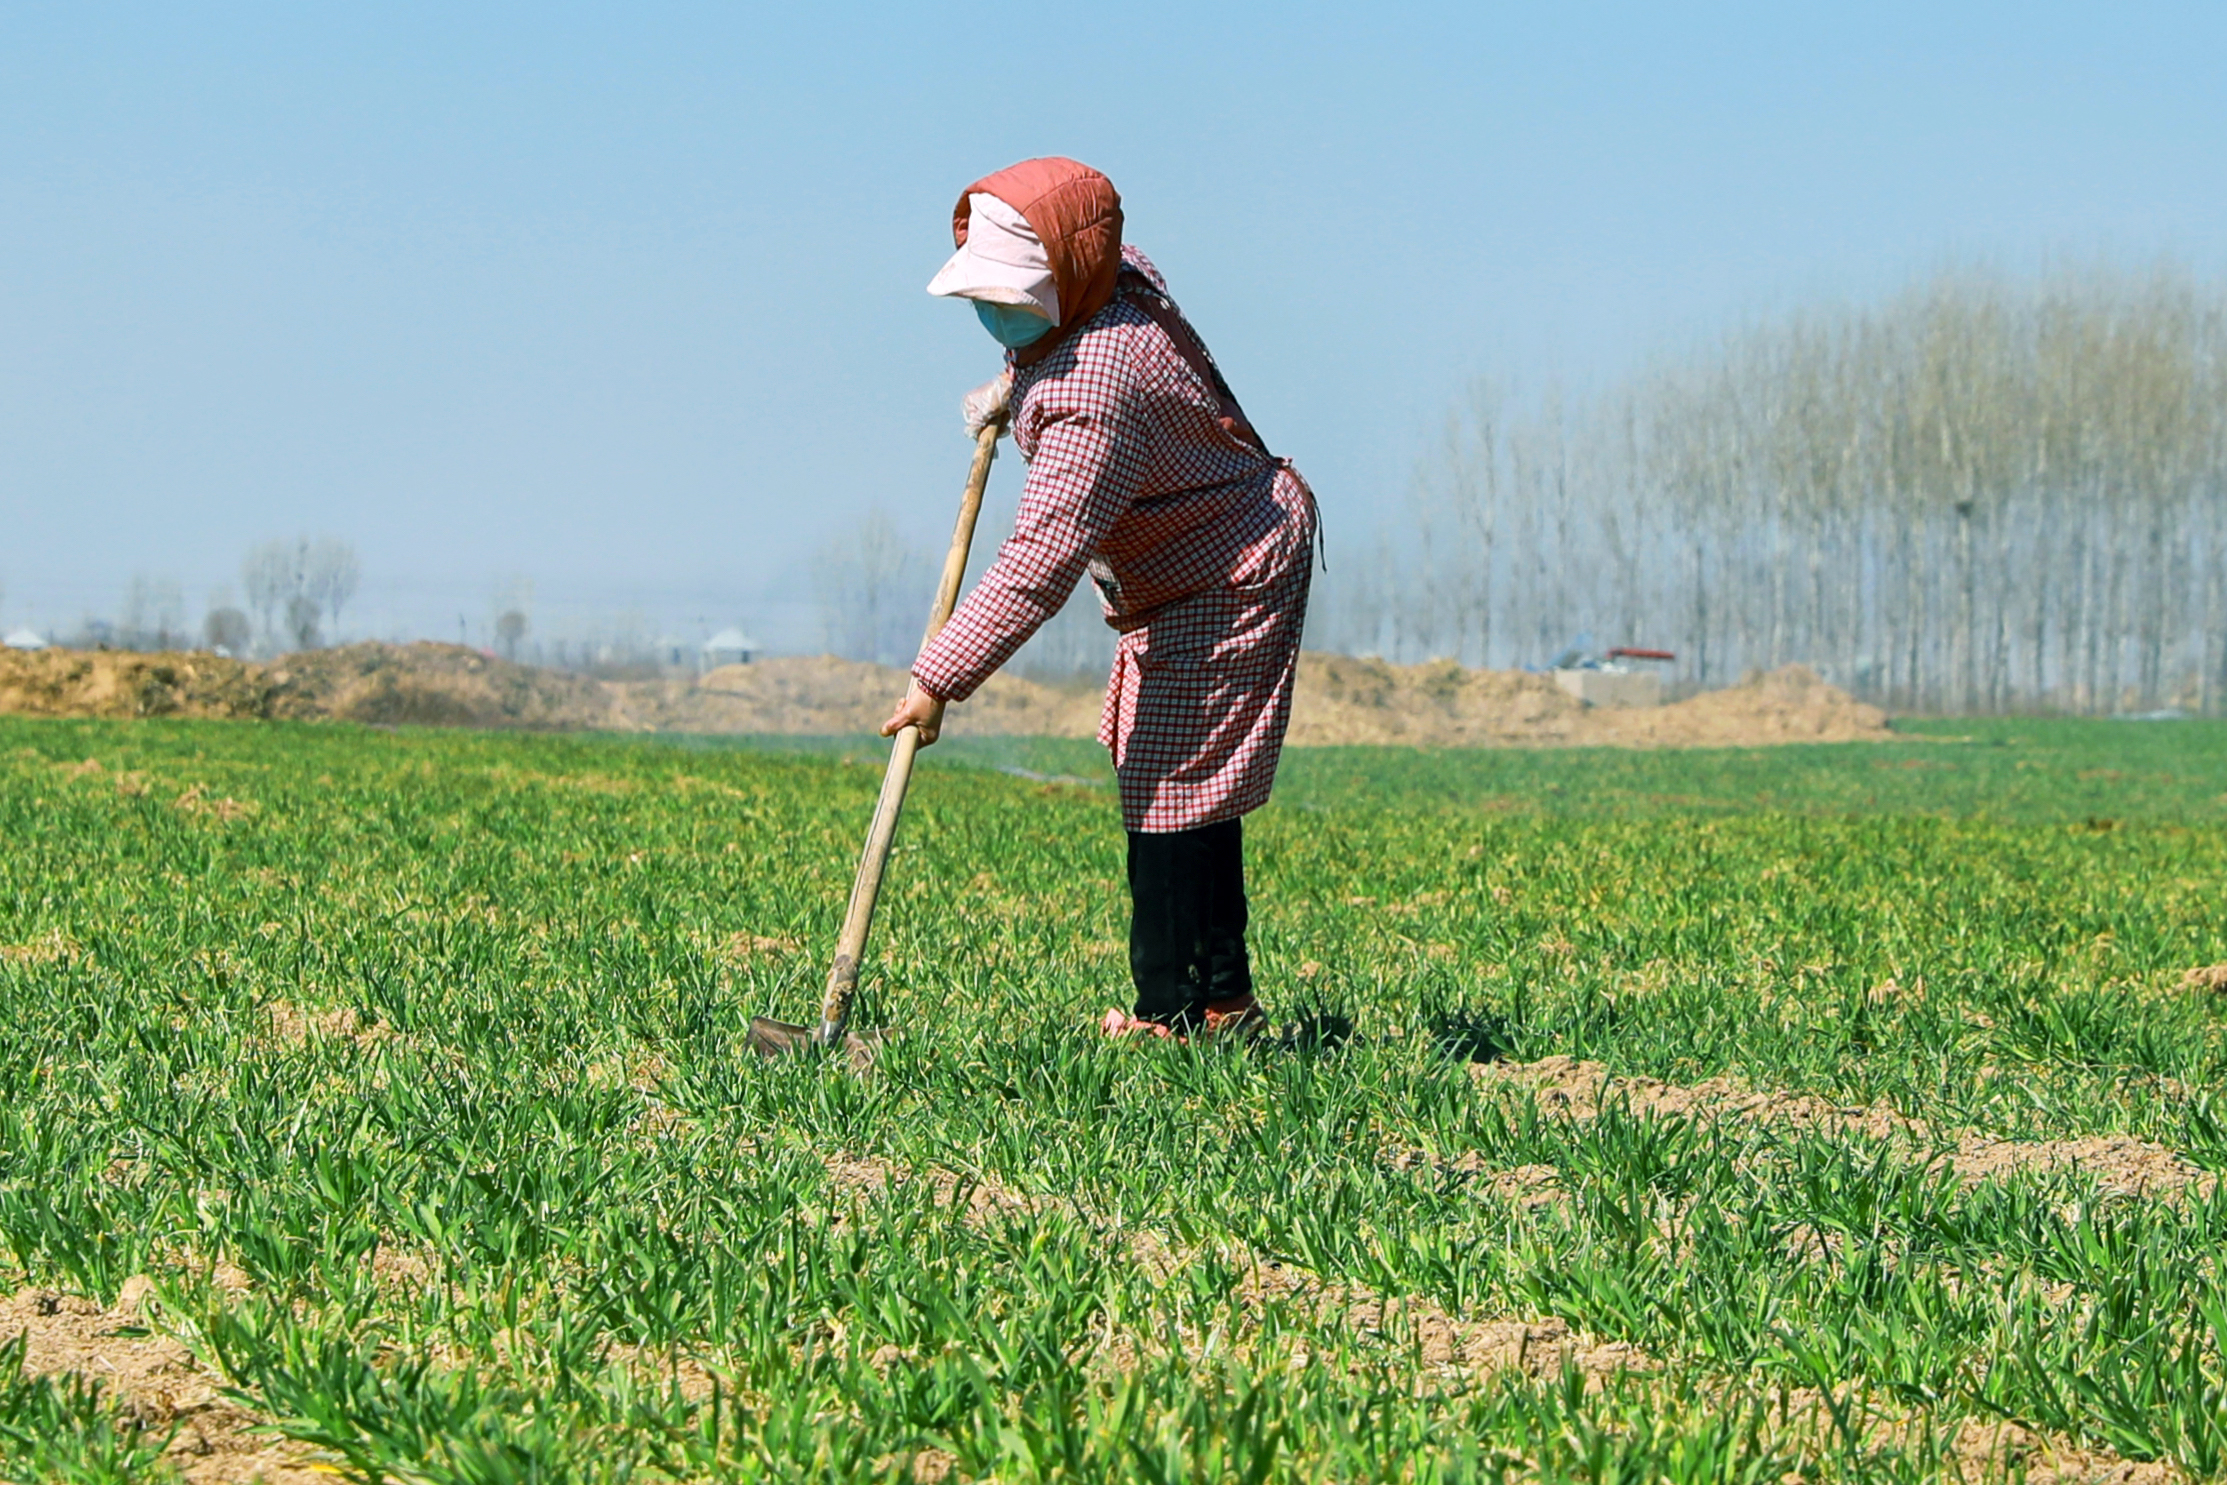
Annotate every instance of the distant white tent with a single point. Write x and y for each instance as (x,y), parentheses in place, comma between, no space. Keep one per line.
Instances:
(730,646)
(23,639)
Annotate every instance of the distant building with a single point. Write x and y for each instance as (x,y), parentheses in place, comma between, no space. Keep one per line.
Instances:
(729,646)
(23,639)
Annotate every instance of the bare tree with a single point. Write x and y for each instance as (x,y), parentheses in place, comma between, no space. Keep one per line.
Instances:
(267,576)
(302,612)
(330,573)
(866,583)
(154,613)
(1981,495)
(513,606)
(292,585)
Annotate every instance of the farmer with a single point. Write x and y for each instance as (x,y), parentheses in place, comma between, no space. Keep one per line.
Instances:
(1144,472)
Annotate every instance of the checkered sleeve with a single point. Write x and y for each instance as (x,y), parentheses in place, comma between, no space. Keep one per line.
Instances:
(1081,480)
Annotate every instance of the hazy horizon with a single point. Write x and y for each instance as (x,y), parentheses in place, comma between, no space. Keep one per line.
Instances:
(631,307)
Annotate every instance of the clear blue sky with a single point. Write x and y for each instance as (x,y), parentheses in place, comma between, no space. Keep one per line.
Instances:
(628,299)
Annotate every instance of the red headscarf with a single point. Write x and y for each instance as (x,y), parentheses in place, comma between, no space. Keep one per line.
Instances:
(1077,213)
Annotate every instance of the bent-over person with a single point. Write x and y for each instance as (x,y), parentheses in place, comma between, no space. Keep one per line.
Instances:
(1143,472)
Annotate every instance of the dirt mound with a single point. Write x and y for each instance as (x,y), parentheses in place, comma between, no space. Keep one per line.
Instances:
(1787,705)
(154,1380)
(432,684)
(1340,700)
(824,694)
(114,683)
(436,685)
(1442,704)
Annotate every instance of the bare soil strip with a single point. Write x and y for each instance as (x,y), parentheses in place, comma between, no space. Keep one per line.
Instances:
(2211,977)
(1465,1348)
(1446,1343)
(155,1380)
(1579,1090)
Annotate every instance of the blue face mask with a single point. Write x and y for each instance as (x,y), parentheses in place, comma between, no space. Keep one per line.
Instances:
(1011,327)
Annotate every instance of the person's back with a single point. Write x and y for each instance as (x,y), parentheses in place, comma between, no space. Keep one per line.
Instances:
(1140,420)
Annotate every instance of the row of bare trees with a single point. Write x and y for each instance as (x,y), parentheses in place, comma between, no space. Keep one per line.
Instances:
(294,587)
(872,589)
(1985,495)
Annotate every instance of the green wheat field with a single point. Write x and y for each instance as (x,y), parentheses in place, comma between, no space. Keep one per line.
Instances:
(377,1103)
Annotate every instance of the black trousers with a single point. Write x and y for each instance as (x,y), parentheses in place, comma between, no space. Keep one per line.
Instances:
(1187,931)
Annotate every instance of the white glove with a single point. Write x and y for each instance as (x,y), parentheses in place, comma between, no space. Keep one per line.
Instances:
(986,404)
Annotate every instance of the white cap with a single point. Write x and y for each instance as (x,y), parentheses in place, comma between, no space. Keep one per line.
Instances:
(1003,261)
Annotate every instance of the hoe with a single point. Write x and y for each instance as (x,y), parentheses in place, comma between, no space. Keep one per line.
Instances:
(770,1038)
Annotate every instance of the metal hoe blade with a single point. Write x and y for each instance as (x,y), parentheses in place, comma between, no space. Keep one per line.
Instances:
(771,1038)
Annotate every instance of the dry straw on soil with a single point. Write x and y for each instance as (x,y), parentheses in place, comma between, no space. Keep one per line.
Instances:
(1340,700)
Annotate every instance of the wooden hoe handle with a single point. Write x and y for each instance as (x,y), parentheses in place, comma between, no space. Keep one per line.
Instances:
(858,919)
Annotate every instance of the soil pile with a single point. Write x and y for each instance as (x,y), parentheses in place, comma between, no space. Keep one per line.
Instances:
(822,694)
(429,684)
(1787,705)
(1340,700)
(433,685)
(1445,705)
(1440,704)
(112,683)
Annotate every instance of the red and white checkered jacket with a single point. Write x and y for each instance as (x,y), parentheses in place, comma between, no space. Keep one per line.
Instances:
(1199,543)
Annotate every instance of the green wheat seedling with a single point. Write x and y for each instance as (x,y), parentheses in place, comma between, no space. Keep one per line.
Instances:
(409,1067)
